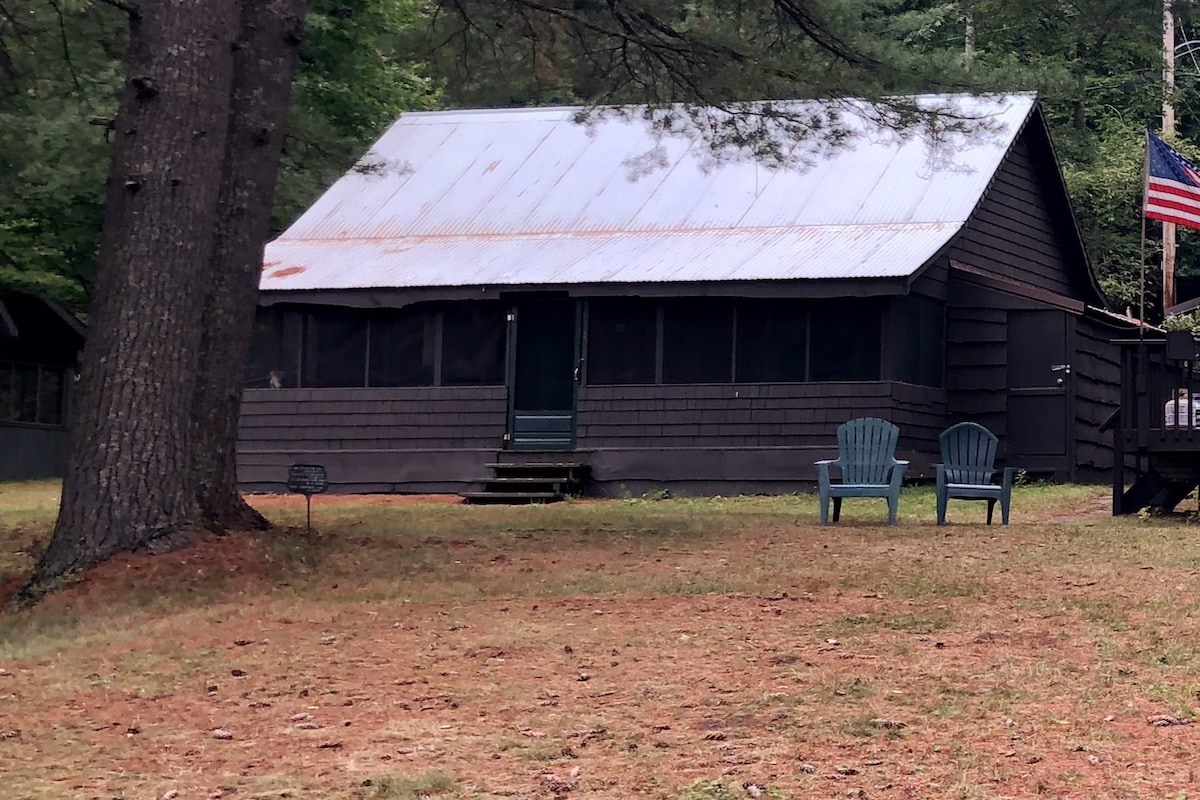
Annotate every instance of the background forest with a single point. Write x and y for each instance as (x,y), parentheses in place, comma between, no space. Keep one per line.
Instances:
(1097,65)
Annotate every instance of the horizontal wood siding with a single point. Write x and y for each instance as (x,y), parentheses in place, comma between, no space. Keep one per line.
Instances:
(1096,376)
(799,419)
(716,438)
(1017,232)
(977,366)
(28,452)
(401,439)
(762,415)
(920,411)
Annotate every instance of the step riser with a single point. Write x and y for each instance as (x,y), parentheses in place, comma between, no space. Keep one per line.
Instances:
(529,482)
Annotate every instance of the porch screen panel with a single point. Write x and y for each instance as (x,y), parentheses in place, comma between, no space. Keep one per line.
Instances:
(50,396)
(402,347)
(622,341)
(336,348)
(8,391)
(27,392)
(473,344)
(264,367)
(698,341)
(917,333)
(933,342)
(772,341)
(846,340)
(275,349)
(291,331)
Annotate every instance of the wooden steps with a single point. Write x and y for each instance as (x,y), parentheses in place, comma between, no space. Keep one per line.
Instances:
(521,482)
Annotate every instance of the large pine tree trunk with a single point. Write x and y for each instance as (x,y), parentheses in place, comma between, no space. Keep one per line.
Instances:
(265,62)
(128,484)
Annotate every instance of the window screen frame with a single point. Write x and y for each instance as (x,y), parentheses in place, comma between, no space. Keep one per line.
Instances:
(14,405)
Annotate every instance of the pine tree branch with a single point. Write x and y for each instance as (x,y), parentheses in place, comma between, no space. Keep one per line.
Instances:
(66,47)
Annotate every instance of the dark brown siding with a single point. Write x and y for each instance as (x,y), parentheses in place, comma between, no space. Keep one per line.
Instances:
(977,366)
(1096,372)
(372,440)
(1017,233)
(32,451)
(934,280)
(760,415)
(764,435)
(977,372)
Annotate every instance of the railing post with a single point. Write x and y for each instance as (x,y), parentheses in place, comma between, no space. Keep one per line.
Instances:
(1140,410)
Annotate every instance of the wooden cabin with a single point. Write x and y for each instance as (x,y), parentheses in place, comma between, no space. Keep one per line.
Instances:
(39,347)
(510,286)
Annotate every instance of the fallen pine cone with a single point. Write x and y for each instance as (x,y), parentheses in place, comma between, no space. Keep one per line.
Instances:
(1164,720)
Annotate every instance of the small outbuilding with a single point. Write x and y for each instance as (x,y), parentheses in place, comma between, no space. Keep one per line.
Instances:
(503,285)
(39,348)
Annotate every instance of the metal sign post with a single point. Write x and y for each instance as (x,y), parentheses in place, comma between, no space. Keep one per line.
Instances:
(307,479)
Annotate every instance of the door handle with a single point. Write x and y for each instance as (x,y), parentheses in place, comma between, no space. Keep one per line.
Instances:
(1063,368)
(576,376)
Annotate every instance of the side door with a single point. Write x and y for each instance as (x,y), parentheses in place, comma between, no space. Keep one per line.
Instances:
(1040,426)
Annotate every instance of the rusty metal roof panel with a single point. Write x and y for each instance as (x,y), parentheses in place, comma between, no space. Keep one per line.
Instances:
(742,255)
(530,196)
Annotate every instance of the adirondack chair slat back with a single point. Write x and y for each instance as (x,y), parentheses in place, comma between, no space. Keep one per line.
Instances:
(867,450)
(969,453)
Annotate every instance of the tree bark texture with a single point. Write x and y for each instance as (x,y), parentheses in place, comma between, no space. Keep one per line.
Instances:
(128,484)
(264,63)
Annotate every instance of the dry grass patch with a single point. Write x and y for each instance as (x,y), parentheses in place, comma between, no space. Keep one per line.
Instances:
(691,649)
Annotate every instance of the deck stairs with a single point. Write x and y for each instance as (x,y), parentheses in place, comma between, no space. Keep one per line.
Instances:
(1153,489)
(520,482)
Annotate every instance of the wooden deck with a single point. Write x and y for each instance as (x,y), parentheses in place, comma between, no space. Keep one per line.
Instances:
(1156,431)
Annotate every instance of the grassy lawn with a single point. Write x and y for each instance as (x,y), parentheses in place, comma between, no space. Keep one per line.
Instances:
(698,649)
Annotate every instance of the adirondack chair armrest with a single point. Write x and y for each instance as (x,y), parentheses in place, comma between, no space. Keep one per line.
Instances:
(898,470)
(823,478)
(1010,474)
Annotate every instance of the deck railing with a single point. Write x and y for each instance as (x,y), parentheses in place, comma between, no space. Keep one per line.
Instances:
(1160,394)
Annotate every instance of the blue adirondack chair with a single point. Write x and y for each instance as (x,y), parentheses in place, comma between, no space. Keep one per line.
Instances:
(867,465)
(969,458)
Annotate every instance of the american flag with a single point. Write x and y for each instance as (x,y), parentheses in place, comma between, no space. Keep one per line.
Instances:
(1172,185)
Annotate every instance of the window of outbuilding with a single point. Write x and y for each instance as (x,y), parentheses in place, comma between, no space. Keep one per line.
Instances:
(622,341)
(31,393)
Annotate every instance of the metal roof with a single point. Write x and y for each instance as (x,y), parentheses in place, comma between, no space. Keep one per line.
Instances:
(531,196)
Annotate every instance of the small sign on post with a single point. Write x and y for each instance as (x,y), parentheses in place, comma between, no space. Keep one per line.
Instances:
(307,479)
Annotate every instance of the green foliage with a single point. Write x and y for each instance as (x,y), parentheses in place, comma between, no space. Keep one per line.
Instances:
(1184,322)
(1096,65)
(354,79)
(1105,181)
(61,70)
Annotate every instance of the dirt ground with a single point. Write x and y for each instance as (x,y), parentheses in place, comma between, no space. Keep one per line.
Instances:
(841,691)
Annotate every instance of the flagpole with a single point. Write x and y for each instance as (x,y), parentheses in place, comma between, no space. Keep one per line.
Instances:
(1142,281)
(1168,133)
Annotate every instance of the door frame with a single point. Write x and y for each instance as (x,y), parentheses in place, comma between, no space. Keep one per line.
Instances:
(514,430)
(1038,463)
